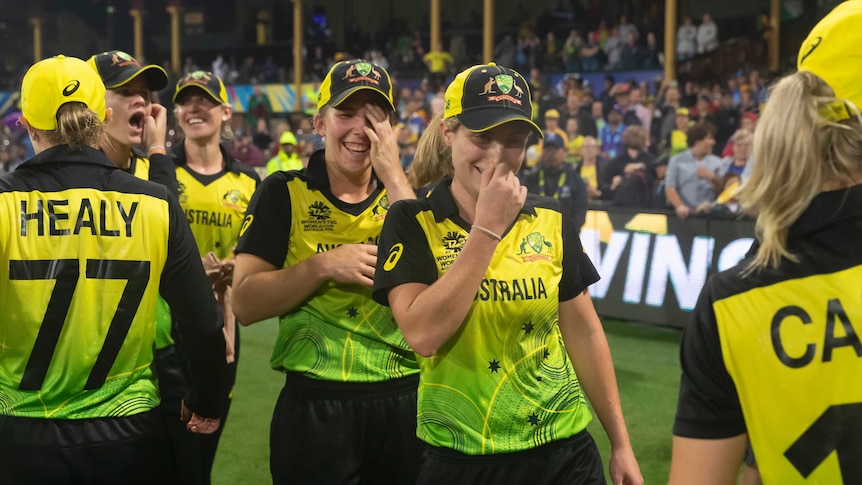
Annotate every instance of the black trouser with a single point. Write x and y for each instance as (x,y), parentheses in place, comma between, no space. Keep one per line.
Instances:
(193,453)
(126,450)
(326,432)
(571,460)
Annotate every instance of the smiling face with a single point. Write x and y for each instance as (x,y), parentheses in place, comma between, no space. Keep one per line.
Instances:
(129,103)
(346,145)
(199,115)
(473,153)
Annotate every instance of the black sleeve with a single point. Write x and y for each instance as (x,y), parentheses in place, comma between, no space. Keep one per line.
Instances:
(266,229)
(578,200)
(578,270)
(164,171)
(186,289)
(403,255)
(708,405)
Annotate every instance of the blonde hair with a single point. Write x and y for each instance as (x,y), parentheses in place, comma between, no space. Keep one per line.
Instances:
(799,154)
(433,159)
(77,126)
(742,135)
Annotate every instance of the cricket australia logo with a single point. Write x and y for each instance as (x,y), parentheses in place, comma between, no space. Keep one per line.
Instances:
(381,208)
(506,84)
(535,247)
(233,199)
(362,71)
(318,218)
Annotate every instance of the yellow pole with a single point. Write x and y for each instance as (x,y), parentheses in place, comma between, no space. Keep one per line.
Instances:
(669,39)
(435,26)
(775,35)
(37,38)
(176,63)
(138,25)
(488,33)
(297,55)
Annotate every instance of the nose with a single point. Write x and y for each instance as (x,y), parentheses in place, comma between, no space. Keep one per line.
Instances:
(494,152)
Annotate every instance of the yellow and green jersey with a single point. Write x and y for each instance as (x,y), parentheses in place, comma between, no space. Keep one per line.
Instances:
(503,382)
(85,250)
(777,353)
(215,204)
(339,333)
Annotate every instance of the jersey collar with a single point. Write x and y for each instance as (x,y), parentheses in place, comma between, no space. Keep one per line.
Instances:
(178,155)
(443,205)
(67,154)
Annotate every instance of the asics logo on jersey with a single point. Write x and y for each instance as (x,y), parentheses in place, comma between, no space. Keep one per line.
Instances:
(394,256)
(71,88)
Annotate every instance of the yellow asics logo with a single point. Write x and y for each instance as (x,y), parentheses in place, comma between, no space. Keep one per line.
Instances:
(245,224)
(394,256)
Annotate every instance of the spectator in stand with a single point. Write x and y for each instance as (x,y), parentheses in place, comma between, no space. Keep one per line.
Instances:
(406,140)
(439,62)
(553,177)
(627,28)
(611,135)
(747,103)
(220,67)
(553,55)
(261,136)
(702,110)
(575,108)
(245,151)
(629,179)
(686,39)
(759,91)
(591,53)
(614,50)
(621,94)
(576,140)
(572,51)
(643,114)
(747,121)
(740,162)
(630,58)
(727,120)
(592,166)
(652,55)
(317,65)
(248,73)
(552,125)
(505,51)
(677,140)
(597,113)
(258,105)
(287,157)
(707,35)
(692,176)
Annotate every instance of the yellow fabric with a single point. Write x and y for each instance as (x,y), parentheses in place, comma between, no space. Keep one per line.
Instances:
(589,176)
(573,146)
(831,51)
(439,61)
(678,142)
(282,162)
(775,345)
(53,82)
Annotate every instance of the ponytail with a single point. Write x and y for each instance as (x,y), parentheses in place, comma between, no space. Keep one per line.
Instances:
(433,159)
(77,126)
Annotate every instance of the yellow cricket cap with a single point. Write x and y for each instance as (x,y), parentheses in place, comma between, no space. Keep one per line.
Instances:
(53,82)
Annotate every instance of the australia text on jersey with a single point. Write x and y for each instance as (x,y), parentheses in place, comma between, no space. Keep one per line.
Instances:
(57,215)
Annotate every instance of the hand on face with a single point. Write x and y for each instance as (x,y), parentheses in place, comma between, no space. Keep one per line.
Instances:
(384,145)
(501,197)
(155,125)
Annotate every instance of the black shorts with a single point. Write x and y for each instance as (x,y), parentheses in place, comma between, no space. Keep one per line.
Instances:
(326,432)
(128,450)
(571,460)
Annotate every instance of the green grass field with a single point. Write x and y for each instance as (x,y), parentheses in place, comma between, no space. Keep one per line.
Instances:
(645,358)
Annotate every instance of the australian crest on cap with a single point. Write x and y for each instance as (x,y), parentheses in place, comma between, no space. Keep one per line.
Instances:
(504,82)
(363,67)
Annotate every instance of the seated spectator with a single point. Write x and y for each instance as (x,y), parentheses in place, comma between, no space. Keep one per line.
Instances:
(692,176)
(747,121)
(630,57)
(245,151)
(707,35)
(686,39)
(576,140)
(552,177)
(592,166)
(597,113)
(627,28)
(287,157)
(702,110)
(740,162)
(629,178)
(677,141)
(611,135)
(575,108)
(552,125)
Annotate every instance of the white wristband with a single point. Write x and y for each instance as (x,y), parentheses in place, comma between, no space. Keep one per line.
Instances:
(488,232)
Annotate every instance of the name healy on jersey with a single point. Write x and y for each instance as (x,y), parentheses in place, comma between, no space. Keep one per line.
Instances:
(58,218)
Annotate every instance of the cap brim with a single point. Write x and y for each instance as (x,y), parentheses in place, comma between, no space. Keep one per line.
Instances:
(200,88)
(485,119)
(155,77)
(342,97)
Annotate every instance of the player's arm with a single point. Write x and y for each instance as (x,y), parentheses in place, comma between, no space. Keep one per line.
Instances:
(706,462)
(164,171)
(185,287)
(587,346)
(162,168)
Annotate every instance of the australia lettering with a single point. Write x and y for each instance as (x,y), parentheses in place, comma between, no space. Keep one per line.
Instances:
(796,356)
(511,290)
(209,218)
(323,247)
(105,219)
